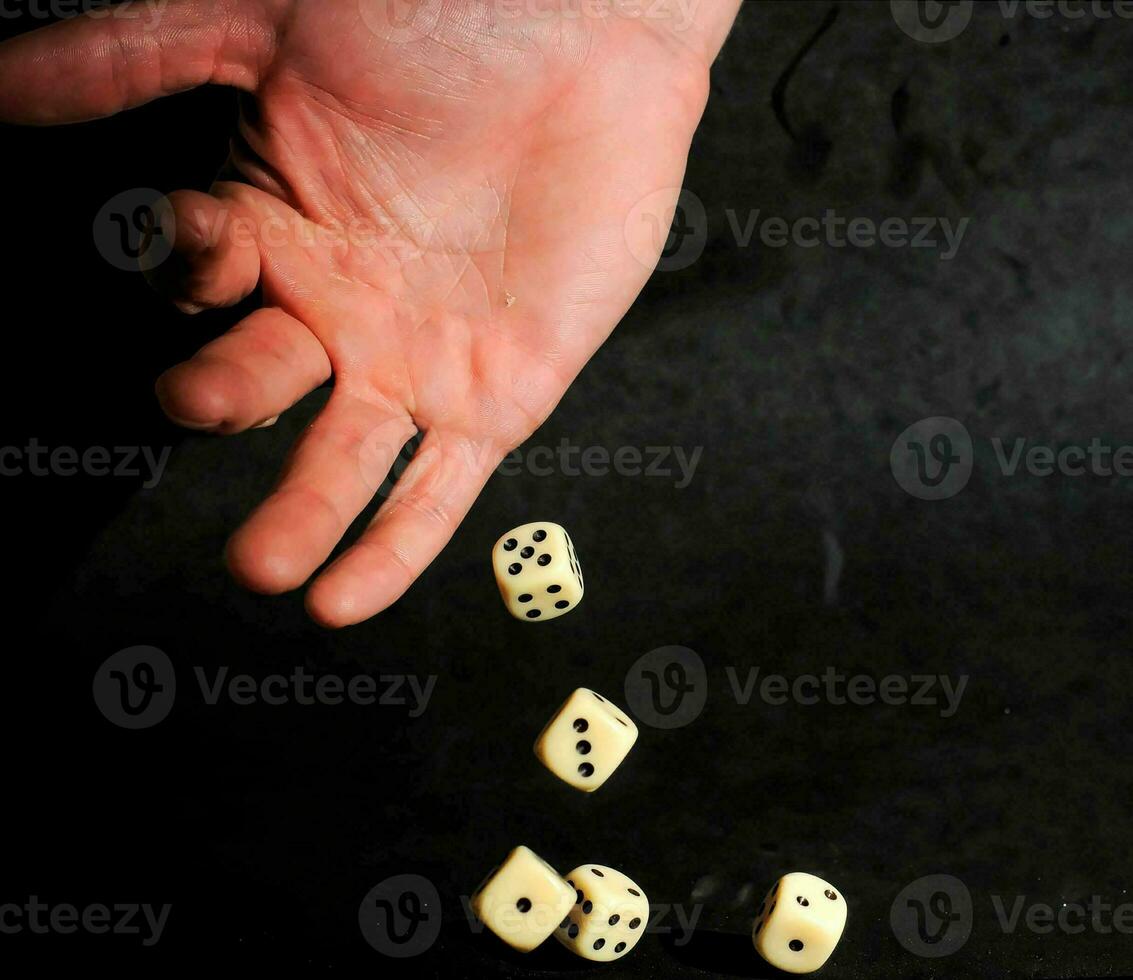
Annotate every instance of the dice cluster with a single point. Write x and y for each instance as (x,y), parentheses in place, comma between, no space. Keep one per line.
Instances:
(596,911)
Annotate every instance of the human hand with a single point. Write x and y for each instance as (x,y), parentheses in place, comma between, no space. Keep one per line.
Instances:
(437,213)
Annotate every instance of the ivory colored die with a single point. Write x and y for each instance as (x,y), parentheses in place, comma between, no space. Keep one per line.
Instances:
(522,900)
(586,740)
(799,923)
(609,916)
(537,571)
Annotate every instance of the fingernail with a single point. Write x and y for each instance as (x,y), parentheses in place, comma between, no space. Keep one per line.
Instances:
(195,426)
(266,423)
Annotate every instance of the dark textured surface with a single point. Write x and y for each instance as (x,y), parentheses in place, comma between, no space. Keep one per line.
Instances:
(795,369)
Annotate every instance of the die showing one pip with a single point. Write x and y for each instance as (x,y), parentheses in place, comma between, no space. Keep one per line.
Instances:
(586,740)
(609,916)
(523,900)
(799,923)
(537,571)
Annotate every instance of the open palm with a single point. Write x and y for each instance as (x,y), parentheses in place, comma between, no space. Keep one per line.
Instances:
(447,210)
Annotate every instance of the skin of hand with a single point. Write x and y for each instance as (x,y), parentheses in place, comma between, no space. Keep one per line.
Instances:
(442,202)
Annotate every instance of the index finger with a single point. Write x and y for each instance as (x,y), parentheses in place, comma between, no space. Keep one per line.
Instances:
(115,58)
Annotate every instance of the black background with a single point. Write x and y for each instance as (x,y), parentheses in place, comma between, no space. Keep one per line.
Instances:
(795,369)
